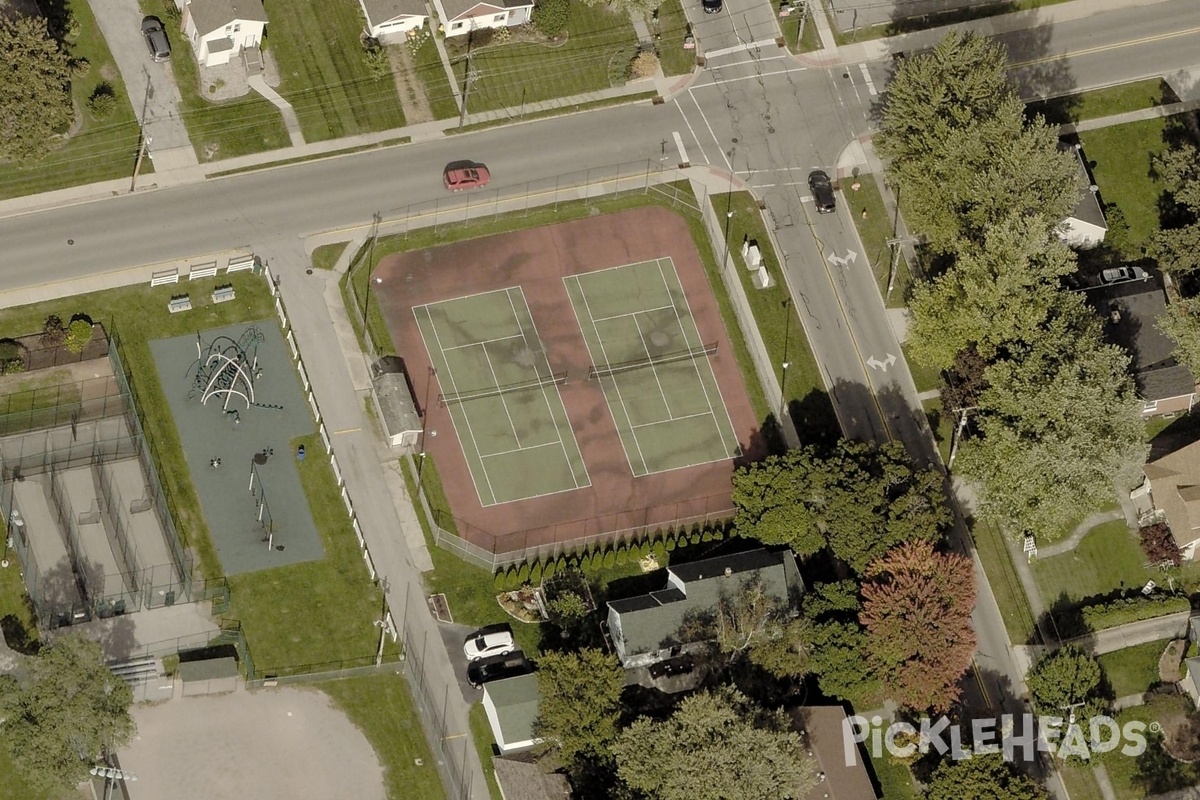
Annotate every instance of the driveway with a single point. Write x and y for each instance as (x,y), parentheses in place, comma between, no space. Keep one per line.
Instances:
(121,23)
(735,28)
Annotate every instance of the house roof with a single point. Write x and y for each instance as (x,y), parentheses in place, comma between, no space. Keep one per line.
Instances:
(1138,305)
(381,11)
(521,780)
(461,9)
(1194,622)
(516,703)
(210,15)
(652,621)
(1088,208)
(1193,668)
(823,731)
(1173,480)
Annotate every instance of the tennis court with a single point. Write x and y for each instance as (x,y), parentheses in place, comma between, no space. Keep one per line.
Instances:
(653,366)
(502,395)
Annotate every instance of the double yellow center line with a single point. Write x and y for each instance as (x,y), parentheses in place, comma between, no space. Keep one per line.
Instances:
(1104,48)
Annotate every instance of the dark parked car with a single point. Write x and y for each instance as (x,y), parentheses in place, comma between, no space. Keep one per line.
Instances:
(156,39)
(497,667)
(460,175)
(712,6)
(822,191)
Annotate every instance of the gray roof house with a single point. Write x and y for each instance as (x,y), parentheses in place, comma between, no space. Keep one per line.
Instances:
(511,705)
(1131,310)
(522,780)
(841,772)
(645,628)
(221,29)
(460,17)
(1191,678)
(1173,487)
(390,21)
(1085,226)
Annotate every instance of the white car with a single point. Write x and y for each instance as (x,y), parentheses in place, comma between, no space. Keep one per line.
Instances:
(1119,274)
(488,642)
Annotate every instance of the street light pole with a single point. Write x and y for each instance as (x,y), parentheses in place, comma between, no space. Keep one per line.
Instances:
(787,331)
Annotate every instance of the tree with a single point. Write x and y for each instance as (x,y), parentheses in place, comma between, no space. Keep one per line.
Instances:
(1059,427)
(1176,247)
(981,777)
(998,293)
(579,703)
(551,16)
(35,103)
(1067,684)
(838,657)
(1181,324)
(860,500)
(917,607)
(70,709)
(824,599)
(964,383)
(716,746)
(626,7)
(79,333)
(962,153)
(1158,543)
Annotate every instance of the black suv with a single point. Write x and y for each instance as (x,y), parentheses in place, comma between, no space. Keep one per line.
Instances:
(822,191)
(495,668)
(156,39)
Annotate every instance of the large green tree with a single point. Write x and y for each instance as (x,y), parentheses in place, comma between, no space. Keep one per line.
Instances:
(35,100)
(981,777)
(1181,324)
(716,746)
(962,153)
(579,703)
(1060,428)
(1176,248)
(58,722)
(1068,684)
(917,606)
(859,500)
(998,294)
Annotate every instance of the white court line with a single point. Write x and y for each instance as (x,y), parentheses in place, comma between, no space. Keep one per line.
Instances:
(653,368)
(720,396)
(616,384)
(524,450)
(710,130)
(692,130)
(867,77)
(672,419)
(496,381)
(466,417)
(632,313)
(683,159)
(485,341)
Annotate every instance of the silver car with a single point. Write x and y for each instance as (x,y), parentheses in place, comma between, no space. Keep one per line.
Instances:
(489,642)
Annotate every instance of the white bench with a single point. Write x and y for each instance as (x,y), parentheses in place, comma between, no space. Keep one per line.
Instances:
(223,294)
(181,303)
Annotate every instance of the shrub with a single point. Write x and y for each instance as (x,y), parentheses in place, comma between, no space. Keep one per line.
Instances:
(610,559)
(622,554)
(567,608)
(706,535)
(644,65)
(549,570)
(53,332)
(1133,608)
(562,563)
(550,17)
(669,543)
(103,101)
(376,57)
(585,561)
(78,335)
(80,67)
(523,575)
(1159,544)
(695,537)
(535,574)
(500,580)
(660,552)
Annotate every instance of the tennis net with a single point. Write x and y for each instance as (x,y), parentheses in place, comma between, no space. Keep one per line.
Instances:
(640,363)
(553,379)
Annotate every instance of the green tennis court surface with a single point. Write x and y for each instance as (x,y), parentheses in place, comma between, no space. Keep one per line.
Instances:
(653,366)
(502,395)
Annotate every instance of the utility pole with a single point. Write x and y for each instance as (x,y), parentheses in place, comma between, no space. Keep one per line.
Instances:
(896,244)
(143,140)
(462,117)
(958,433)
(803,19)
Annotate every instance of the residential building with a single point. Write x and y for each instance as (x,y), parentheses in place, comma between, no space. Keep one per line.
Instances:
(825,730)
(1172,492)
(511,706)
(523,780)
(1085,226)
(1131,311)
(645,629)
(1191,666)
(220,29)
(390,21)
(460,17)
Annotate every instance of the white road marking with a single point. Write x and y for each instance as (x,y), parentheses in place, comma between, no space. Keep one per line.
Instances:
(740,48)
(683,159)
(710,131)
(742,78)
(692,130)
(867,78)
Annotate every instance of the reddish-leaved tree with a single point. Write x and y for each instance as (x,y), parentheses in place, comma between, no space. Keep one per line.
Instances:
(1158,543)
(917,611)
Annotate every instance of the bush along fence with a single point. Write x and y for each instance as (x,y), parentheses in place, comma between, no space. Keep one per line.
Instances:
(1118,609)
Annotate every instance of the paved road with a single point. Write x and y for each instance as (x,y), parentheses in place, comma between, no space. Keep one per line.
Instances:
(736,28)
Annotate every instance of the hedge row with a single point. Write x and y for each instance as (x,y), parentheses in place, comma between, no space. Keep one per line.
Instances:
(603,556)
(1138,607)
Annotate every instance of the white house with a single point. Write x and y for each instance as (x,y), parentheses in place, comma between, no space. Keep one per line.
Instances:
(220,29)
(460,17)
(389,21)
(511,705)
(1086,226)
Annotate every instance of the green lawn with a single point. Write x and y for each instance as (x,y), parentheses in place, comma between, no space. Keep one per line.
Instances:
(1154,772)
(778,321)
(1107,559)
(481,733)
(599,47)
(1123,172)
(325,73)
(327,255)
(16,616)
(672,28)
(943,426)
(428,65)
(925,378)
(14,787)
(381,706)
(1080,782)
(249,124)
(895,780)
(996,557)
(1132,670)
(99,150)
(874,231)
(1105,102)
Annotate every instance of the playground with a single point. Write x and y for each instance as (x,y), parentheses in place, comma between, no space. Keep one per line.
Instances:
(237,404)
(577,379)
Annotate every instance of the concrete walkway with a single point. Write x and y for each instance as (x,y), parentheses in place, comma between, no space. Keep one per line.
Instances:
(259,84)
(1129,701)
(1157,112)
(1082,529)
(1106,787)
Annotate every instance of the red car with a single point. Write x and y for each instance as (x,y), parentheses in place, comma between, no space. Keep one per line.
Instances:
(460,175)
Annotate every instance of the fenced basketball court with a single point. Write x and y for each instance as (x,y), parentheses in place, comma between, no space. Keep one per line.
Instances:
(653,366)
(502,396)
